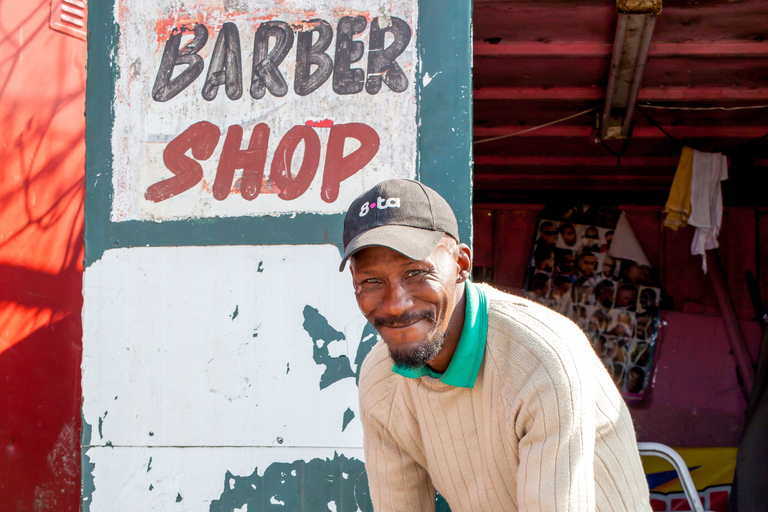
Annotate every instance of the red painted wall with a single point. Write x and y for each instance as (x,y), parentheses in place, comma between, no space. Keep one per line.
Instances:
(696,399)
(42,95)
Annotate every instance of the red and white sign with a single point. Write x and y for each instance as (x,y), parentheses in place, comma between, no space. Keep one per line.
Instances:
(263,108)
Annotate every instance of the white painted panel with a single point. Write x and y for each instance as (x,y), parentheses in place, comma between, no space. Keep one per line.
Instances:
(176,480)
(213,346)
(144,126)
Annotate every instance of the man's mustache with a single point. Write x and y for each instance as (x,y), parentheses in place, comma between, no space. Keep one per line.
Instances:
(407,318)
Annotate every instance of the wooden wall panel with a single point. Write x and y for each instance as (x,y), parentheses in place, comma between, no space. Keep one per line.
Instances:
(513,234)
(738,255)
(482,243)
(762,254)
(683,280)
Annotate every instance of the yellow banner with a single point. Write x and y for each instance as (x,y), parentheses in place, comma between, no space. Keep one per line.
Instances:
(712,472)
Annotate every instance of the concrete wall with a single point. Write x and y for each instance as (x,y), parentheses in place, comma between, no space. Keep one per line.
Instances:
(221,344)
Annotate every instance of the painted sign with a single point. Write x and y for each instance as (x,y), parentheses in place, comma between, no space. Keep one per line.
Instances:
(254,107)
(221,346)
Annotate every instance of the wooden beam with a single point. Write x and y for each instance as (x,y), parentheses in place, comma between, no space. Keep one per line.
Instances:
(560,178)
(539,93)
(575,161)
(646,94)
(586,49)
(583,161)
(533,49)
(687,132)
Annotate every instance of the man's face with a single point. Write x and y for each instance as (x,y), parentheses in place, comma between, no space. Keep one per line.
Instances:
(569,236)
(625,297)
(549,233)
(561,290)
(606,293)
(549,262)
(409,302)
(587,264)
(647,299)
(609,266)
(568,262)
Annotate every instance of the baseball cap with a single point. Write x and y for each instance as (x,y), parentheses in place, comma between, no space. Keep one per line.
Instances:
(404,215)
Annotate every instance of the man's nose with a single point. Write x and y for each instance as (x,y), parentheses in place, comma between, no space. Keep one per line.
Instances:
(397,300)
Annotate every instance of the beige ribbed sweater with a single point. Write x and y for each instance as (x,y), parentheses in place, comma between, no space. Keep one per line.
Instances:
(543,429)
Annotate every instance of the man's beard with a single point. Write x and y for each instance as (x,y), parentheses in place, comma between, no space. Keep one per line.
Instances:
(420,355)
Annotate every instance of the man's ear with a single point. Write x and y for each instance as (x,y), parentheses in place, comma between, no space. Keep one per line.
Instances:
(464,261)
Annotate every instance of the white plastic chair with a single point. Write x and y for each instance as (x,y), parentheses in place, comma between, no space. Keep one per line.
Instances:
(674,458)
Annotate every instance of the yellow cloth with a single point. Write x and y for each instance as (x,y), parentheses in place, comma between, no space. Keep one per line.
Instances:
(678,207)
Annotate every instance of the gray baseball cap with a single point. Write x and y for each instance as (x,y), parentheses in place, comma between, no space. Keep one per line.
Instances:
(404,215)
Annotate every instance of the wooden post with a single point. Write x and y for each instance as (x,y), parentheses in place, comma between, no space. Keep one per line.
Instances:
(732,326)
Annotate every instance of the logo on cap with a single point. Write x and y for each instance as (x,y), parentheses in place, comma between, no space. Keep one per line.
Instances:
(381,204)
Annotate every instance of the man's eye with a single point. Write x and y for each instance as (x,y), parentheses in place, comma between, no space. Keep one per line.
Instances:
(412,273)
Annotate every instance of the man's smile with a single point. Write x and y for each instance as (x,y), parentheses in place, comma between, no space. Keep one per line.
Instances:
(403,321)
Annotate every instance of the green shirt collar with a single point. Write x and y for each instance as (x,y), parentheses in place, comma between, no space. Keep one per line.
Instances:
(465,364)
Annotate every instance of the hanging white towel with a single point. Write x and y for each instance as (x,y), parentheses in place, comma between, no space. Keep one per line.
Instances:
(709,169)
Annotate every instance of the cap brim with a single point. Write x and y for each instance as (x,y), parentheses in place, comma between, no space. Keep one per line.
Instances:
(415,243)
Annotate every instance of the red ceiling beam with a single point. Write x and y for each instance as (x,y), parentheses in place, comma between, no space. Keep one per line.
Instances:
(579,161)
(555,178)
(690,132)
(536,49)
(646,94)
(533,49)
(576,161)
(539,93)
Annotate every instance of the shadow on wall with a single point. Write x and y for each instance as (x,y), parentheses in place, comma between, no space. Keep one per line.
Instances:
(40,406)
(42,96)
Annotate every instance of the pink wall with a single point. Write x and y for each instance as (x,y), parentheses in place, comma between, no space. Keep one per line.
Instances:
(42,93)
(696,399)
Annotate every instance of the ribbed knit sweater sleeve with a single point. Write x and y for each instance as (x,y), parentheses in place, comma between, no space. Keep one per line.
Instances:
(397,477)
(551,408)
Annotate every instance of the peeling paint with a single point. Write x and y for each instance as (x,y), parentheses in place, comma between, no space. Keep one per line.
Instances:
(322,334)
(349,415)
(101,423)
(86,467)
(300,485)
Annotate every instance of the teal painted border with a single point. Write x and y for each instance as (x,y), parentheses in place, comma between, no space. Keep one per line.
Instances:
(444,144)
(445,104)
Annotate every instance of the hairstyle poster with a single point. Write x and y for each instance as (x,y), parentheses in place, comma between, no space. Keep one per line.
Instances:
(586,266)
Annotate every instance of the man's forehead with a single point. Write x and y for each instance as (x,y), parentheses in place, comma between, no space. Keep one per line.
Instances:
(369,257)
(372,255)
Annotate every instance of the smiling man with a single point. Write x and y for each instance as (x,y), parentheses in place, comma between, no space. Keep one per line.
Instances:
(496,402)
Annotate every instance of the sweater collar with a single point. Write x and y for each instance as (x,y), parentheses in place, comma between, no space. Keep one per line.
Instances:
(465,364)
